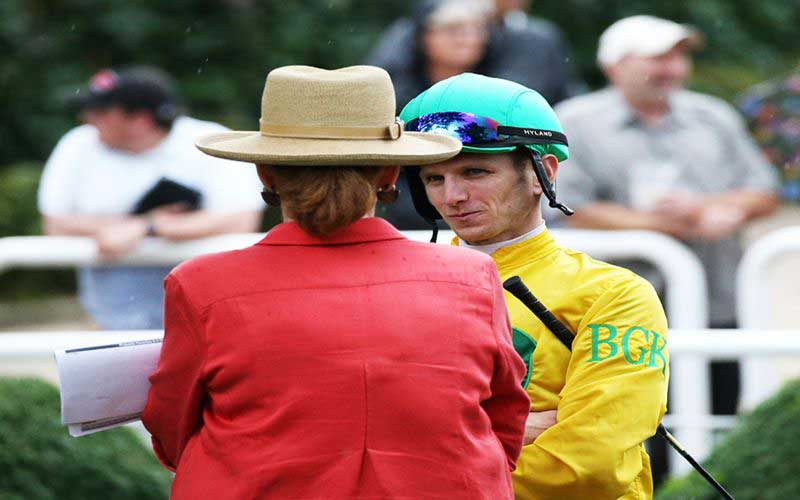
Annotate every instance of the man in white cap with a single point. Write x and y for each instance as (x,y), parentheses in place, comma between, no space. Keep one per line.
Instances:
(647,154)
(651,155)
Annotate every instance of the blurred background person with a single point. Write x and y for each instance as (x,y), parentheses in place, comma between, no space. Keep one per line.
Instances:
(700,176)
(649,155)
(444,38)
(315,364)
(524,45)
(772,110)
(449,37)
(514,16)
(514,46)
(131,172)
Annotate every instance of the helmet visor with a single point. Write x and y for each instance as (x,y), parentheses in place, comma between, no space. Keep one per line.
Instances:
(481,131)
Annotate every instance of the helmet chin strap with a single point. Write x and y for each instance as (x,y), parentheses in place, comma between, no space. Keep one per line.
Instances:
(434,229)
(547,187)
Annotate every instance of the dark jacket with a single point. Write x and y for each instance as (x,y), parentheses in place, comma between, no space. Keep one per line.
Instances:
(533,56)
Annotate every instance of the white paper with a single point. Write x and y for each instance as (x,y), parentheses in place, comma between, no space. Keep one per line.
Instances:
(105,386)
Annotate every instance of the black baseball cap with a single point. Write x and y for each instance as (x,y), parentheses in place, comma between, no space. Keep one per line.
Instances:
(133,89)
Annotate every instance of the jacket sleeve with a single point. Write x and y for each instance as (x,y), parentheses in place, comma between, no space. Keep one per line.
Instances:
(508,406)
(613,399)
(173,413)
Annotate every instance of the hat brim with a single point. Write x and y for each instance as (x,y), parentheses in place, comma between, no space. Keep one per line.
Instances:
(691,38)
(411,148)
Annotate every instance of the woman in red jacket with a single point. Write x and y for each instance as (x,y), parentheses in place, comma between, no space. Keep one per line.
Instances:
(336,358)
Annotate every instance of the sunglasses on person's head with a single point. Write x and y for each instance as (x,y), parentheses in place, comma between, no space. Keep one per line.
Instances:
(473,130)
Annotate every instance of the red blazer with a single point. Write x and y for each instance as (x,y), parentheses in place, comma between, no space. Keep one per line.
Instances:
(363,365)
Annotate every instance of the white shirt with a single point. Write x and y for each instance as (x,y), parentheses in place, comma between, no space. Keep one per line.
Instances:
(83,176)
(493,247)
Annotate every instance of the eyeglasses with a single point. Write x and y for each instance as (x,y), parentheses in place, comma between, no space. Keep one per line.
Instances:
(473,130)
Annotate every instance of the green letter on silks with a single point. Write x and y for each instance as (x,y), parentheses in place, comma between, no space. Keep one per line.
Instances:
(656,351)
(626,350)
(612,333)
(524,345)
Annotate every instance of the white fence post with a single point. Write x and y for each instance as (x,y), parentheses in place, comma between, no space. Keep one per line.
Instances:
(754,306)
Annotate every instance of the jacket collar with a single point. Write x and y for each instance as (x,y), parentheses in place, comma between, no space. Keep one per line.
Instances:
(361,231)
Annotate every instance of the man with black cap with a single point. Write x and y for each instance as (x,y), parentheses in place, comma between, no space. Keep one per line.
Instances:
(651,155)
(130,172)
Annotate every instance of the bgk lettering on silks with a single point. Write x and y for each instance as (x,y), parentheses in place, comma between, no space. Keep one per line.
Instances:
(651,338)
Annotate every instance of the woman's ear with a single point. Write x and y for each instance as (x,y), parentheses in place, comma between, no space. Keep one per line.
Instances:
(265,176)
(388,176)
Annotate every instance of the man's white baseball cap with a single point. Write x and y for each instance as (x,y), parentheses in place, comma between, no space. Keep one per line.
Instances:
(644,36)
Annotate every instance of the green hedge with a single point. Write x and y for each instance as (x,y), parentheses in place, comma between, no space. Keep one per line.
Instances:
(757,460)
(18,185)
(39,460)
(20,217)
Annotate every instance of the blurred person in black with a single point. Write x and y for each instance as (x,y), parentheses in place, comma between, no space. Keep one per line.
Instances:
(445,38)
(449,37)
(524,45)
(516,49)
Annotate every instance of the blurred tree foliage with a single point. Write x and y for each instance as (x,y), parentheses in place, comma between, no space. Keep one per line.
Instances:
(19,216)
(220,50)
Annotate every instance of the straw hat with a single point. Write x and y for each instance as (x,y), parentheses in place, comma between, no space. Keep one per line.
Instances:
(311,116)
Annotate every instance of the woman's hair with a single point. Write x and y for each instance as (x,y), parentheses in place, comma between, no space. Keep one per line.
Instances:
(324,199)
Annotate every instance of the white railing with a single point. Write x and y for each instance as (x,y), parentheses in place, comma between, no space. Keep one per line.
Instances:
(705,344)
(755,300)
(687,301)
(69,251)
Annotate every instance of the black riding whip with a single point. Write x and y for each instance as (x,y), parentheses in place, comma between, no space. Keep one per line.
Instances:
(517,288)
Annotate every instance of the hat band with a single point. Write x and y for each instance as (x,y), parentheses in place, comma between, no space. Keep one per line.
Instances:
(391,132)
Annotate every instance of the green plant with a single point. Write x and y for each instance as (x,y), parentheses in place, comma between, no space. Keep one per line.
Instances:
(39,460)
(18,185)
(757,459)
(19,216)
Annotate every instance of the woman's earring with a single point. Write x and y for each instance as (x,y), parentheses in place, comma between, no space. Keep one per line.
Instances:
(270,197)
(387,196)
